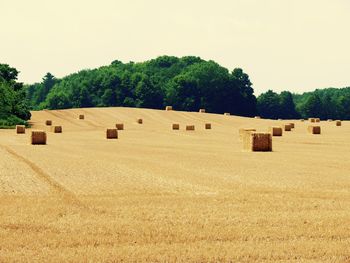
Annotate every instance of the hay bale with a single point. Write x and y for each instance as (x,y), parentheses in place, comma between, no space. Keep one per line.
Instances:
(38,137)
(208,126)
(338,123)
(317,119)
(312,120)
(48,122)
(139,121)
(276,131)
(20,129)
(302,120)
(287,127)
(257,142)
(169,108)
(329,120)
(119,126)
(81,117)
(176,126)
(190,128)
(280,120)
(313,129)
(202,110)
(243,131)
(112,134)
(292,125)
(227,114)
(257,117)
(56,129)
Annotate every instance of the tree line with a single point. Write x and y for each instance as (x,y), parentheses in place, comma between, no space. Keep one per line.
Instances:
(187,83)
(14,108)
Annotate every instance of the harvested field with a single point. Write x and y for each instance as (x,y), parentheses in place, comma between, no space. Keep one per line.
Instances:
(162,196)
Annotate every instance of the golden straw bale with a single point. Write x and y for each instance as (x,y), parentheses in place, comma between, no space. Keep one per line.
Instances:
(314,129)
(190,128)
(338,123)
(169,108)
(139,121)
(257,117)
(38,137)
(20,129)
(312,120)
(227,114)
(81,117)
(292,125)
(120,126)
(243,131)
(208,126)
(112,134)
(176,126)
(257,142)
(48,122)
(329,120)
(202,110)
(276,131)
(56,129)
(287,127)
(317,119)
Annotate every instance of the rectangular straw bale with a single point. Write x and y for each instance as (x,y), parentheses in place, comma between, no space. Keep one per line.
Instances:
(176,126)
(287,127)
(112,134)
(56,129)
(20,129)
(338,123)
(120,126)
(329,120)
(257,117)
(312,120)
(48,122)
(314,129)
(139,121)
(257,142)
(317,119)
(243,131)
(81,117)
(276,131)
(227,114)
(38,137)
(169,108)
(292,125)
(190,128)
(202,110)
(208,126)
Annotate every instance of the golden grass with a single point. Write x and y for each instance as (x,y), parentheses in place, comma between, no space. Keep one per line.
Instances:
(162,196)
(38,137)
(20,129)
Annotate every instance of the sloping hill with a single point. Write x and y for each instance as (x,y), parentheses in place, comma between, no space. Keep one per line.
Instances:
(156,194)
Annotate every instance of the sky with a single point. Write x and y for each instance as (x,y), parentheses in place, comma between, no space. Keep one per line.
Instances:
(295,45)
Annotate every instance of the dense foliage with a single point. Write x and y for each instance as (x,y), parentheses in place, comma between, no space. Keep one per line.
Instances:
(186,83)
(13,107)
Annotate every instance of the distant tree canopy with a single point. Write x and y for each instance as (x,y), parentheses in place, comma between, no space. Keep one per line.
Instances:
(187,83)
(13,106)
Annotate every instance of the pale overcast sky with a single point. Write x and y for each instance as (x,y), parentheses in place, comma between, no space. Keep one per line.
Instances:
(295,45)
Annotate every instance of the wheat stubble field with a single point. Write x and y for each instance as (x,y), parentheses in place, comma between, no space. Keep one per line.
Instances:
(159,195)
